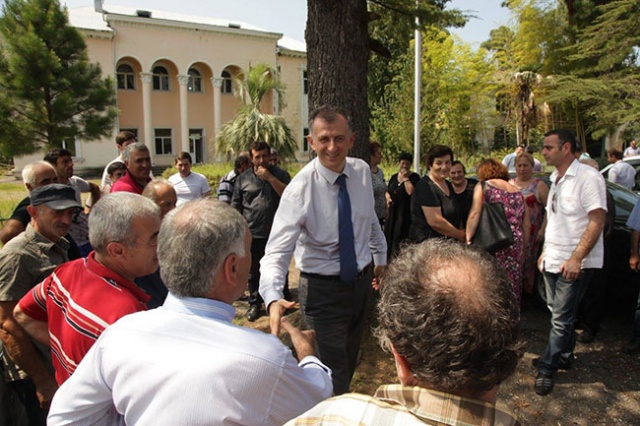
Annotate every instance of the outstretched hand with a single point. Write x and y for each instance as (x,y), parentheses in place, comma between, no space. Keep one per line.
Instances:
(276,311)
(304,342)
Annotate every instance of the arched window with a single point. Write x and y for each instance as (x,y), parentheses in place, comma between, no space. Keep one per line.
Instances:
(195,81)
(226,82)
(126,77)
(160,79)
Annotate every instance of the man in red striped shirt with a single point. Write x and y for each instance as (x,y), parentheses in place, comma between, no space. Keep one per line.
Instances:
(73,306)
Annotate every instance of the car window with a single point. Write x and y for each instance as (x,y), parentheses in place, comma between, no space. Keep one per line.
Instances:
(624,200)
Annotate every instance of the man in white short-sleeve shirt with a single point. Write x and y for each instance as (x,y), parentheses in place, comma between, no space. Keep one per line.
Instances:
(573,247)
(188,185)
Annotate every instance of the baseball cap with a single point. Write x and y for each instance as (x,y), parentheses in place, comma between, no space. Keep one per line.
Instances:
(55,196)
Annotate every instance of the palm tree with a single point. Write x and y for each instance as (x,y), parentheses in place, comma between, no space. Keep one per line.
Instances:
(251,124)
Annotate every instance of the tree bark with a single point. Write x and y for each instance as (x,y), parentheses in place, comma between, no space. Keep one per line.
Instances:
(337,62)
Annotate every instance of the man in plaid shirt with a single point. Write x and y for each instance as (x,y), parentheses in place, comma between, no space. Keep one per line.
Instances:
(448,316)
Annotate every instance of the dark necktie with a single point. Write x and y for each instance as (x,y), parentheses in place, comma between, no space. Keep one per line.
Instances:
(348,263)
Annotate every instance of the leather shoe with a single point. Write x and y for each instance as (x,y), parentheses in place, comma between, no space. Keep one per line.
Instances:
(632,348)
(543,384)
(562,365)
(586,337)
(253,313)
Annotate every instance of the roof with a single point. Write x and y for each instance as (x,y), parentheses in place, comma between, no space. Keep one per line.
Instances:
(87,18)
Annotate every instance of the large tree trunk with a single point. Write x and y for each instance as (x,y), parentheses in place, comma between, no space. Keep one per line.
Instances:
(337,62)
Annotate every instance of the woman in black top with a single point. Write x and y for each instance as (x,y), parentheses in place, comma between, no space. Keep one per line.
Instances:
(401,187)
(434,212)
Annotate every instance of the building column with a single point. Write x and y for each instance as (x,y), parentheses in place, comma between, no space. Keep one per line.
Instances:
(217,113)
(147,78)
(183,80)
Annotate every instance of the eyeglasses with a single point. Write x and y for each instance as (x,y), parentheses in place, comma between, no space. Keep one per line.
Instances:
(553,202)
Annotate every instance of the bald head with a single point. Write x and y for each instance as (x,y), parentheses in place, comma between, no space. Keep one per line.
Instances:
(161,192)
(449,311)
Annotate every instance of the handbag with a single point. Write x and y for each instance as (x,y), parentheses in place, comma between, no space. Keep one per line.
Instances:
(494,232)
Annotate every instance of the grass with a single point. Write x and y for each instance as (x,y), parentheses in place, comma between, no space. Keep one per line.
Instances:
(11,193)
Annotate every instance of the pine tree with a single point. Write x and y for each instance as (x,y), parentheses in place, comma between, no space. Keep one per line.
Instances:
(49,91)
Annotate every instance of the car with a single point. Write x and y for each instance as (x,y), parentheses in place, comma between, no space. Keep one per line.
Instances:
(634,160)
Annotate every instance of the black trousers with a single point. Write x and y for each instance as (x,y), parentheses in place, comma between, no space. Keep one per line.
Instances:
(258,246)
(337,311)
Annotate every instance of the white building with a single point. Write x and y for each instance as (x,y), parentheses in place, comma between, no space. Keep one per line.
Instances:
(173,75)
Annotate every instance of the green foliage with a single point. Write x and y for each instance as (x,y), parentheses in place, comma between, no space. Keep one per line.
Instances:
(49,92)
(215,171)
(458,98)
(251,124)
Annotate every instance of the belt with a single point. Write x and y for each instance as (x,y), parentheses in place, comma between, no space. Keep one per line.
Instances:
(331,277)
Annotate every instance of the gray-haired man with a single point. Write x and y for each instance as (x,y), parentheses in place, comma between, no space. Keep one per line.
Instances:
(187,360)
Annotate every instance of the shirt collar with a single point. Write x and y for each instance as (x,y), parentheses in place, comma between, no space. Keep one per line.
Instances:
(200,306)
(330,175)
(572,170)
(437,406)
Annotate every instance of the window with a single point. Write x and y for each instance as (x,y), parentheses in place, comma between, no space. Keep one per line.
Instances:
(69,144)
(163,142)
(160,79)
(226,83)
(126,77)
(195,81)
(305,83)
(305,142)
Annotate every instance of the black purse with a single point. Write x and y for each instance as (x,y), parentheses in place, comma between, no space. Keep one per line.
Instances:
(494,232)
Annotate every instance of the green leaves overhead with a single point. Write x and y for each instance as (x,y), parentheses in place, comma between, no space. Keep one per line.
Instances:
(49,90)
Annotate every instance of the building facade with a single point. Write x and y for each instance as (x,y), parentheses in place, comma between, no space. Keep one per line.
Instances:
(173,76)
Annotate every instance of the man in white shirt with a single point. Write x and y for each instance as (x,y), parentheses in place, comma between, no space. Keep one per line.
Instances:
(333,246)
(573,248)
(622,173)
(186,363)
(509,160)
(632,150)
(188,185)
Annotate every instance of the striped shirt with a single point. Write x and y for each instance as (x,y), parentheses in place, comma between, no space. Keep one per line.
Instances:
(400,405)
(79,300)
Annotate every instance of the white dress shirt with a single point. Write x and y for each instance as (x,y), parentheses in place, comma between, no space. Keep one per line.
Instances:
(580,191)
(185,363)
(194,186)
(306,226)
(623,174)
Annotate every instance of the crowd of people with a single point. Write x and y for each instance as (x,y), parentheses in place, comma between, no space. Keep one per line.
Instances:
(134,325)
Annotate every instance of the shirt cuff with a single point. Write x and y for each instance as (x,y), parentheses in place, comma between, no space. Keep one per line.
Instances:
(311,361)
(380,259)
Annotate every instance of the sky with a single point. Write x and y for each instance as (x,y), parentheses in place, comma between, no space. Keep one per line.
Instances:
(290,16)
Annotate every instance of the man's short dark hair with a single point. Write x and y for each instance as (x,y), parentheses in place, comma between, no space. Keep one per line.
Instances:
(565,136)
(615,153)
(184,156)
(259,146)
(329,114)
(456,162)
(54,153)
(115,166)
(124,136)
(450,311)
(438,151)
(240,161)
(405,156)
